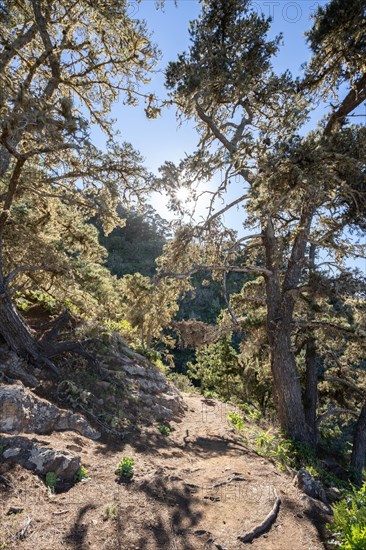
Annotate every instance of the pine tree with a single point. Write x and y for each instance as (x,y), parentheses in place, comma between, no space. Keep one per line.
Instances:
(296,190)
(62,66)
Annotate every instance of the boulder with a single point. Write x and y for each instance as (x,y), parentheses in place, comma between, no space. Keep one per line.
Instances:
(38,459)
(23,412)
(158,398)
(310,486)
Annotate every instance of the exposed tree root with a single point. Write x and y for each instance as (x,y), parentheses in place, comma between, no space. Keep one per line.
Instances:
(235,477)
(265,525)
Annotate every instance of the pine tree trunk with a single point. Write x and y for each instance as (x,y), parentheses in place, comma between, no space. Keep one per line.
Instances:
(16,332)
(280,309)
(311,389)
(286,382)
(359,447)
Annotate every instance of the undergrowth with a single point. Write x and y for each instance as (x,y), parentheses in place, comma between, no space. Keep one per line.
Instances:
(288,455)
(349,524)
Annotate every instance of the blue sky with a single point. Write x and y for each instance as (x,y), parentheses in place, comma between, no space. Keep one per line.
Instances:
(161,139)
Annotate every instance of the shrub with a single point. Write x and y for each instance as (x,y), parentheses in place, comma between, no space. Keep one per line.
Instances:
(81,474)
(125,468)
(181,382)
(349,525)
(276,447)
(236,420)
(51,480)
(251,412)
(164,430)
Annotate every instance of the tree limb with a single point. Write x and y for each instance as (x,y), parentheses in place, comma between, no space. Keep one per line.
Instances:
(265,525)
(347,383)
(334,411)
(352,100)
(26,268)
(226,268)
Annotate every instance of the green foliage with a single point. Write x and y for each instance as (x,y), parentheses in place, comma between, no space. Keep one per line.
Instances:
(276,447)
(148,307)
(181,382)
(236,420)
(55,179)
(217,369)
(1,449)
(51,480)
(134,247)
(251,412)
(337,39)
(349,525)
(81,474)
(164,430)
(125,468)
(125,329)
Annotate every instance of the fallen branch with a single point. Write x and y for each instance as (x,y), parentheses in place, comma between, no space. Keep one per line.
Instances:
(265,525)
(22,533)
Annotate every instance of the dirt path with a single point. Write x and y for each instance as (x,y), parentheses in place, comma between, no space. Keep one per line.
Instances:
(199,488)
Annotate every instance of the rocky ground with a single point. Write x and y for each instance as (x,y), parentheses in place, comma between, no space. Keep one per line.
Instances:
(197,488)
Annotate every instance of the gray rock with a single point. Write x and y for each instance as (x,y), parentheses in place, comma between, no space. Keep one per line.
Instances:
(38,459)
(310,486)
(333,494)
(147,385)
(23,412)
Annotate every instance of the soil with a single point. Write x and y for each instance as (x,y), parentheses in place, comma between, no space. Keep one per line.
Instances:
(197,488)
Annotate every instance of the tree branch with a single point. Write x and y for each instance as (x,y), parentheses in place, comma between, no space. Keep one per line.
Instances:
(346,383)
(334,411)
(352,100)
(327,324)
(26,268)
(11,50)
(223,210)
(225,268)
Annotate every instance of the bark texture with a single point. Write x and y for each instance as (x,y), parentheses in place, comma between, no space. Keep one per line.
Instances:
(311,389)
(16,332)
(359,447)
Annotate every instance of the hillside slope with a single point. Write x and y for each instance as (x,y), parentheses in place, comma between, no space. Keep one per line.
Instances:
(198,488)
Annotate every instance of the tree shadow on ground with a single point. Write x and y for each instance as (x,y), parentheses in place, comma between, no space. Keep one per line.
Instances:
(177,517)
(76,536)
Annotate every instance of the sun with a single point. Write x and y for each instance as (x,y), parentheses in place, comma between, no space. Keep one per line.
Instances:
(182,194)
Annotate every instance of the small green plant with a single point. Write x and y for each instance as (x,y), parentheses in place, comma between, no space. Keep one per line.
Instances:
(275,447)
(51,480)
(349,525)
(164,430)
(81,474)
(251,412)
(236,420)
(211,394)
(125,468)
(1,449)
(110,512)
